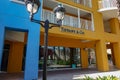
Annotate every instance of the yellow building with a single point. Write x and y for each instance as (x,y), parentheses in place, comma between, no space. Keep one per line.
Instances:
(88,24)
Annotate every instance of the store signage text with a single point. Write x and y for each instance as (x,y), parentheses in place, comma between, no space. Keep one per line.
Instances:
(62,29)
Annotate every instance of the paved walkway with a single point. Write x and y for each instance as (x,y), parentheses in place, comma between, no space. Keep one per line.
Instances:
(62,74)
(68,74)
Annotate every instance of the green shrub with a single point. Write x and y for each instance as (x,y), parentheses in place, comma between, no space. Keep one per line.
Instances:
(101,78)
(88,78)
(62,62)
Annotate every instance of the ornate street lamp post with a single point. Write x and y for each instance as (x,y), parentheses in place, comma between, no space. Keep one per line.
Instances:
(32,7)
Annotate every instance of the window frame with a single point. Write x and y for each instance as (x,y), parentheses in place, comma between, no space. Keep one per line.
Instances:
(18,1)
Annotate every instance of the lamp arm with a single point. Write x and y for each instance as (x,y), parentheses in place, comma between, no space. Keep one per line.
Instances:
(37,21)
(41,23)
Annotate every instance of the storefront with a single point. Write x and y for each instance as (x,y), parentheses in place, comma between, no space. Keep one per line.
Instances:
(79,42)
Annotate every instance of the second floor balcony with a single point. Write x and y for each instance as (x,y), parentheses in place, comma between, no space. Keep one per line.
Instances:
(70,21)
(87,3)
(108,8)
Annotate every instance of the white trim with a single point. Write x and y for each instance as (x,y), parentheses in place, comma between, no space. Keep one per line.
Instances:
(86,24)
(17,1)
(79,22)
(92,25)
(106,9)
(84,2)
(90,4)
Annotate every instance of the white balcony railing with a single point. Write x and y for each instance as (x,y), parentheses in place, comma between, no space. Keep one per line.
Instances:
(107,4)
(87,3)
(68,20)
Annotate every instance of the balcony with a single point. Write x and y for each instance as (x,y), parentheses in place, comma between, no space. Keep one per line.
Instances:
(108,8)
(70,21)
(86,3)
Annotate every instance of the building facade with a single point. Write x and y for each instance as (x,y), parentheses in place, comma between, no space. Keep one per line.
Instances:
(89,28)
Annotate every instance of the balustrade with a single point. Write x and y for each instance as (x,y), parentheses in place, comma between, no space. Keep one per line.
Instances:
(107,4)
(68,20)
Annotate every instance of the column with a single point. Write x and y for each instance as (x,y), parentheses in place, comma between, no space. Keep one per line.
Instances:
(32,54)
(84,58)
(2,33)
(101,56)
(112,55)
(116,49)
(15,57)
(97,18)
(114,25)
